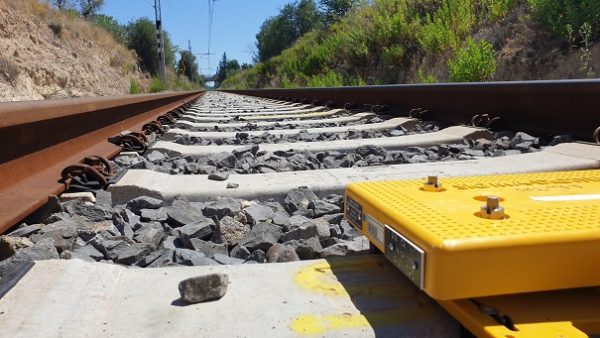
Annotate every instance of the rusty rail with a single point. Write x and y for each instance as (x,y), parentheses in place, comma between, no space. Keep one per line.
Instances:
(41,138)
(539,107)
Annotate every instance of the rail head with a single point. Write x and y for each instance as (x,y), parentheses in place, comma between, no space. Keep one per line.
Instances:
(44,137)
(540,107)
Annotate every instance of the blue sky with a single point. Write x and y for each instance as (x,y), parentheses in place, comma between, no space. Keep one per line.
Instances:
(234,28)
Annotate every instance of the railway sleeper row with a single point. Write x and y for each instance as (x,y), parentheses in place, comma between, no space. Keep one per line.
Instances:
(272,195)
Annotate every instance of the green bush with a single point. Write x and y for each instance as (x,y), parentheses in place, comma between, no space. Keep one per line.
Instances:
(475,62)
(134,88)
(156,85)
(380,42)
(109,24)
(558,15)
(497,9)
(329,79)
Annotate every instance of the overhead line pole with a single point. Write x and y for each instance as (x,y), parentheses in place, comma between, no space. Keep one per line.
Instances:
(162,67)
(191,66)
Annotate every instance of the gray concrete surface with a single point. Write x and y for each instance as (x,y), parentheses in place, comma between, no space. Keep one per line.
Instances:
(445,136)
(568,156)
(229,112)
(343,119)
(406,123)
(357,297)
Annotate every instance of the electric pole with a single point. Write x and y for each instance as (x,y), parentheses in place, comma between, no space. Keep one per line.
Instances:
(162,67)
(191,67)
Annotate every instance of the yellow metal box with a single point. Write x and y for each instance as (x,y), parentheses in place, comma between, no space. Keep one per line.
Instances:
(480,236)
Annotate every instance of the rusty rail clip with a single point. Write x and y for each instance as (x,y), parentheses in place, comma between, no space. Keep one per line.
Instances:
(93,168)
(131,141)
(153,127)
(418,113)
(484,121)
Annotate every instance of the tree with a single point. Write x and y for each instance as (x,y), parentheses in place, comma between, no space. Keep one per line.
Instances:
(62,4)
(188,66)
(281,31)
(88,8)
(141,37)
(109,24)
(226,67)
(335,9)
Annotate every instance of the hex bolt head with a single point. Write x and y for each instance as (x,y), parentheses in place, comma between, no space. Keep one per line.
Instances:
(492,209)
(432,184)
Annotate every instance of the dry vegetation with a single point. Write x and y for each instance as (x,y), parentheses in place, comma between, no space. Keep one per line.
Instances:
(46,53)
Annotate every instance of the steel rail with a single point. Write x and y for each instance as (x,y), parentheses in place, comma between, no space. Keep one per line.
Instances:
(41,138)
(540,107)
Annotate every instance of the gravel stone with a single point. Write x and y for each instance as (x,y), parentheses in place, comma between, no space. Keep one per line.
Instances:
(124,227)
(182,213)
(240,252)
(204,288)
(159,258)
(132,219)
(321,208)
(258,256)
(25,230)
(262,236)
(103,197)
(153,215)
(305,232)
(144,202)
(41,250)
(218,176)
(111,249)
(222,208)
(226,260)
(232,185)
(94,212)
(279,253)
(73,255)
(298,198)
(152,233)
(172,242)
(230,232)
(191,257)
(207,248)
(156,156)
(133,254)
(63,239)
(89,251)
(258,213)
(306,248)
(201,229)
(9,245)
(358,246)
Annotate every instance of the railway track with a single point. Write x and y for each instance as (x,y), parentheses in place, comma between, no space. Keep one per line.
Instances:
(229,179)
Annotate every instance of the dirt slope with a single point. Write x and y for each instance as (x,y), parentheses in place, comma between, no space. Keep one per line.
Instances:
(45,54)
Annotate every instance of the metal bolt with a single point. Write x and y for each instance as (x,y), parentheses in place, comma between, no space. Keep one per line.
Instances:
(492,208)
(432,184)
(391,247)
(415,265)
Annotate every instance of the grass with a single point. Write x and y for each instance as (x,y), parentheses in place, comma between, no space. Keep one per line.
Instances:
(388,41)
(375,44)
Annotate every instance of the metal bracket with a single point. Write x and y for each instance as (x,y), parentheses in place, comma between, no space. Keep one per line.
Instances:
(405,255)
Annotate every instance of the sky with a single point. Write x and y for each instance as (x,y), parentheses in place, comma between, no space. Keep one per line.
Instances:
(234,28)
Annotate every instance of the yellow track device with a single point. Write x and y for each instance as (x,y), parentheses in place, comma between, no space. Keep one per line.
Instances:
(480,236)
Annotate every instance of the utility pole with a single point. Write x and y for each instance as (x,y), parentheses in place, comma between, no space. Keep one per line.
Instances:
(162,67)
(191,67)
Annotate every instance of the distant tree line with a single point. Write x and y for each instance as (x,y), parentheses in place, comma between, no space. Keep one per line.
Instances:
(296,19)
